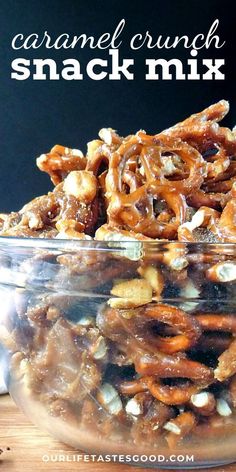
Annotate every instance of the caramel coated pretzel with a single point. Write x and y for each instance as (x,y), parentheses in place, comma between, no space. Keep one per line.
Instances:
(215,322)
(180,427)
(143,352)
(140,320)
(179,186)
(202,129)
(169,395)
(135,210)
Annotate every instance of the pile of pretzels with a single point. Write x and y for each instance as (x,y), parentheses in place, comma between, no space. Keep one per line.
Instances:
(179,184)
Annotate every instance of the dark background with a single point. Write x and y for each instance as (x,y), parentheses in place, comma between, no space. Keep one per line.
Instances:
(35,115)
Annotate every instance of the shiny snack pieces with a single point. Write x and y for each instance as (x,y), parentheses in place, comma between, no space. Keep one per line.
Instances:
(178,184)
(130,335)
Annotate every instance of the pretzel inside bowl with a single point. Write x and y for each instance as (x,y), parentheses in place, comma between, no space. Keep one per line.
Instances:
(150,185)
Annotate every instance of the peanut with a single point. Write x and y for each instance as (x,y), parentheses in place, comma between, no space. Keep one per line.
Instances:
(82,184)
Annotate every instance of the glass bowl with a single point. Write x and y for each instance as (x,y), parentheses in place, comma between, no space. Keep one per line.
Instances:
(124,347)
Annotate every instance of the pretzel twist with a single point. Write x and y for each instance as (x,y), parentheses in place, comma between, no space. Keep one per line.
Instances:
(135,210)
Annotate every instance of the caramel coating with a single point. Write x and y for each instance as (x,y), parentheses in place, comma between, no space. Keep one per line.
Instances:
(139,321)
(60,161)
(142,184)
(126,330)
(183,424)
(226,363)
(169,395)
(155,362)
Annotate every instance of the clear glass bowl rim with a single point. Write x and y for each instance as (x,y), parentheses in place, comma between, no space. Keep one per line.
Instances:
(123,245)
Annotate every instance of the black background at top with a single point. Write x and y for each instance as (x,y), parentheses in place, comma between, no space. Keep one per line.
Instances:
(35,115)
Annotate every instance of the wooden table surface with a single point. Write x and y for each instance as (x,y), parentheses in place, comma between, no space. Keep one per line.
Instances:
(23,445)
